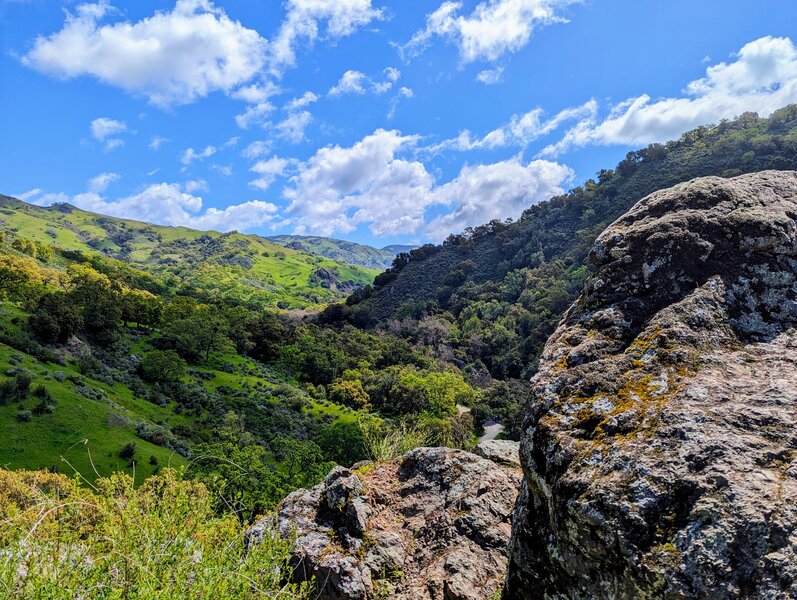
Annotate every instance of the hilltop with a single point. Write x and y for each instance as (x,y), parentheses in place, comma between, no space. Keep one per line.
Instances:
(244,268)
(343,251)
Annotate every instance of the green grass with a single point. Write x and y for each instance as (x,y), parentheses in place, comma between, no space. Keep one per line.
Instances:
(243,267)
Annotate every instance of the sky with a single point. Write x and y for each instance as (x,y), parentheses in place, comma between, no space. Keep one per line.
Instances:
(377,121)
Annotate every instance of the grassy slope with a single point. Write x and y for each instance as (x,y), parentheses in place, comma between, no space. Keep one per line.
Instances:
(339,250)
(85,431)
(248,267)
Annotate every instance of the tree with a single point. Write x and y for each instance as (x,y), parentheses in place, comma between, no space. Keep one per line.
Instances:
(302,462)
(196,336)
(141,307)
(163,366)
(348,393)
(56,318)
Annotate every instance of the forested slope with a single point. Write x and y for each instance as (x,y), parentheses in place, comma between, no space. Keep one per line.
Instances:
(495,293)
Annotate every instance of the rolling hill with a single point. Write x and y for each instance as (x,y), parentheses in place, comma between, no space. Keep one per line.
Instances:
(343,251)
(245,268)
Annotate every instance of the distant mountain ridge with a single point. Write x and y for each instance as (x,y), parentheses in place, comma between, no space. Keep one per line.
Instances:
(248,268)
(345,251)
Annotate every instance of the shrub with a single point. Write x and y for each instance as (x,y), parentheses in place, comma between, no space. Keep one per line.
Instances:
(160,540)
(128,451)
(24,416)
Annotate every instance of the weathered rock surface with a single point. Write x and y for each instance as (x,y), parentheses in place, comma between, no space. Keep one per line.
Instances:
(660,452)
(503,452)
(435,524)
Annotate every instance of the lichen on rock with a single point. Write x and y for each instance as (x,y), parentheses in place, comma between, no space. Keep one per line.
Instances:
(434,524)
(660,451)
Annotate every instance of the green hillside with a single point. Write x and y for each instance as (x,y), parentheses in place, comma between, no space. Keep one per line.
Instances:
(497,291)
(240,267)
(342,250)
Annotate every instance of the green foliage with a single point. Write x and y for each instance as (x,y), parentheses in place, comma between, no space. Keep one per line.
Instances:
(348,393)
(160,540)
(56,318)
(163,366)
(505,285)
(128,451)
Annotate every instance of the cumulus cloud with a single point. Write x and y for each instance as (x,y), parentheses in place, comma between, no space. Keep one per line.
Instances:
(490,76)
(496,191)
(171,204)
(368,183)
(106,131)
(303,23)
(29,195)
(761,78)
(172,57)
(268,171)
(196,185)
(101,182)
(492,29)
(190,155)
(351,82)
(292,127)
(156,141)
(305,99)
(257,149)
(255,114)
(519,131)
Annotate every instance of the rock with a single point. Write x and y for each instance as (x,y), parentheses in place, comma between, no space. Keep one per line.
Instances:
(503,452)
(660,450)
(434,524)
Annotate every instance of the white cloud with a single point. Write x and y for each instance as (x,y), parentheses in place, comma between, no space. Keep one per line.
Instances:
(519,131)
(305,99)
(268,170)
(392,74)
(29,195)
(339,189)
(255,114)
(169,204)
(101,182)
(292,127)
(492,29)
(406,92)
(496,191)
(351,82)
(106,130)
(257,92)
(156,141)
(190,155)
(225,170)
(196,185)
(171,57)
(231,143)
(762,78)
(257,149)
(490,76)
(303,20)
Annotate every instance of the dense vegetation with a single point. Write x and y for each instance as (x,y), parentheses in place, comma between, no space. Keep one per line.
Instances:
(489,298)
(210,265)
(108,367)
(342,250)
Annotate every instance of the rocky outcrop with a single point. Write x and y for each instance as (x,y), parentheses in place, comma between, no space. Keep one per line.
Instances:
(660,452)
(435,524)
(504,452)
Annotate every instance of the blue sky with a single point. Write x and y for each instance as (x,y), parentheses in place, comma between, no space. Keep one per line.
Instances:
(377,121)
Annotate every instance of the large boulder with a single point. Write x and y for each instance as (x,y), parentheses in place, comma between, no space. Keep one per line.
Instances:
(434,524)
(660,451)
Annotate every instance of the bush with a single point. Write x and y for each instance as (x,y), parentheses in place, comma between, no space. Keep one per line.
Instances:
(128,451)
(24,416)
(158,540)
(163,366)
